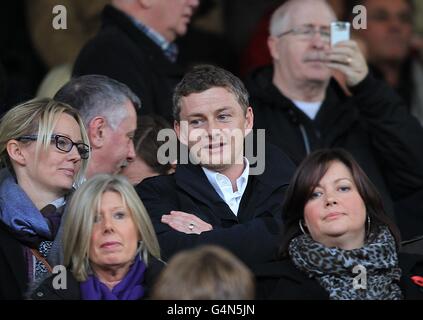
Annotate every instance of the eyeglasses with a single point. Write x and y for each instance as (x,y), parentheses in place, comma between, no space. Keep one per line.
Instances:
(63,144)
(308,31)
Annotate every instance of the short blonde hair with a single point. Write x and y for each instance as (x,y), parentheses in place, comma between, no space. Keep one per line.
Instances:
(79,219)
(37,116)
(205,273)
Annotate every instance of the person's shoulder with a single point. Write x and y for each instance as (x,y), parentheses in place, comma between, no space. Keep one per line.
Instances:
(413,246)
(278,269)
(410,262)
(162,181)
(51,288)
(278,166)
(154,268)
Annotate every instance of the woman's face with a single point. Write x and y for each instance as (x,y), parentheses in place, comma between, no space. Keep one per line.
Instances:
(114,237)
(335,214)
(56,170)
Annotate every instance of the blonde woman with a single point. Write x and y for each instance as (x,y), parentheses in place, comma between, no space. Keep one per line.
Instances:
(44,151)
(110,245)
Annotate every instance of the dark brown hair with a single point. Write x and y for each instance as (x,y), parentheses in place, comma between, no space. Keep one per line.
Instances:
(204,77)
(147,144)
(308,176)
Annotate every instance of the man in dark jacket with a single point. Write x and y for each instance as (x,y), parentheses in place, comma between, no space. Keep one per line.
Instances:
(303,109)
(218,198)
(135,46)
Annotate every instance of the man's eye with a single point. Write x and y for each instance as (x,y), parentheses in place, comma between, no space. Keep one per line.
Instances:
(195,122)
(224,116)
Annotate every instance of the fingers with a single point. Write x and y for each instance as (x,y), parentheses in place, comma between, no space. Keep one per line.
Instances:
(347,58)
(186,222)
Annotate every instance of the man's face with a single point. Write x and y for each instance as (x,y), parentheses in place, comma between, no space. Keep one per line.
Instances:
(213,125)
(298,57)
(389,30)
(174,17)
(120,141)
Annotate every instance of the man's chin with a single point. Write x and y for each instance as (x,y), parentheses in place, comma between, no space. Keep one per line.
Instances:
(218,167)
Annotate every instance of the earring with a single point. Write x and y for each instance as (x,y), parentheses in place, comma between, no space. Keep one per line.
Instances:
(368,225)
(301,226)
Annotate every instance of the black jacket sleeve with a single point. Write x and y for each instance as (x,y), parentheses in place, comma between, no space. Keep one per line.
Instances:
(396,135)
(253,241)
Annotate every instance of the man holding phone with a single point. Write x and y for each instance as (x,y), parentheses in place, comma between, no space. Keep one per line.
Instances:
(303,108)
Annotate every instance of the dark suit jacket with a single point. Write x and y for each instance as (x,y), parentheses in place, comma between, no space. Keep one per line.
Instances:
(122,52)
(252,235)
(13,270)
(281,280)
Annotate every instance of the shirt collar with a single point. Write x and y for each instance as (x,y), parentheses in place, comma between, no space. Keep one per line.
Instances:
(220,181)
(169,49)
(59,202)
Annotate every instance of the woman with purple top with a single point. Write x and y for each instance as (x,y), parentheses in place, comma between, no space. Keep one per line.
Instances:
(110,246)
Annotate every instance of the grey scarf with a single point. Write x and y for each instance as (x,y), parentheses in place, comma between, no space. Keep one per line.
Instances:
(333,267)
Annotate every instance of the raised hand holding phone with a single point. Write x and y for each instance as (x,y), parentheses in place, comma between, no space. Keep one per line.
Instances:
(339,31)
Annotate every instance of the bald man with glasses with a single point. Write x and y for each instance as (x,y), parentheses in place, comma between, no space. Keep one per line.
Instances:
(303,108)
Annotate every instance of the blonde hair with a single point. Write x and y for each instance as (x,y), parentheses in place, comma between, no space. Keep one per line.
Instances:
(79,219)
(204,273)
(38,117)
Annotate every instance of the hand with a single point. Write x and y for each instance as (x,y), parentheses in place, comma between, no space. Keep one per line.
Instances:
(348,59)
(185,222)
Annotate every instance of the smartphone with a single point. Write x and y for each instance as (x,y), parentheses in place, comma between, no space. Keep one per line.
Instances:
(339,31)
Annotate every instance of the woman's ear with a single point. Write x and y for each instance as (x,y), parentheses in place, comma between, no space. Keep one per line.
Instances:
(14,150)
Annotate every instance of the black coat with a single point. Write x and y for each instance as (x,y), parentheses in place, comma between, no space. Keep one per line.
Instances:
(252,235)
(46,291)
(373,125)
(13,267)
(122,52)
(281,280)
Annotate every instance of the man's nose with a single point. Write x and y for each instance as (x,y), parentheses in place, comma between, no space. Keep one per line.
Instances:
(194,3)
(131,152)
(318,40)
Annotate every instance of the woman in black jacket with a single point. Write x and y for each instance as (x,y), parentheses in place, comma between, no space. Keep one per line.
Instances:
(338,243)
(110,246)
(44,151)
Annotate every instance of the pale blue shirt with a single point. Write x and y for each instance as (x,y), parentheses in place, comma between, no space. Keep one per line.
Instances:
(223,186)
(59,202)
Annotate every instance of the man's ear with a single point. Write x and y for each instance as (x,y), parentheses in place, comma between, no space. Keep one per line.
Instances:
(249,120)
(96,132)
(181,131)
(14,150)
(272,43)
(146,3)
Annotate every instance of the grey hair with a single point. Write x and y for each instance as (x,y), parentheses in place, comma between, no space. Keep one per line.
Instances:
(204,77)
(98,95)
(79,220)
(281,18)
